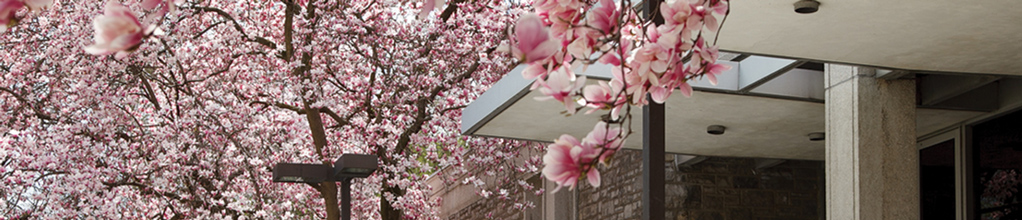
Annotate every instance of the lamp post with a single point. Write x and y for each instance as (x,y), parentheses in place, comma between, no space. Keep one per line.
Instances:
(346,167)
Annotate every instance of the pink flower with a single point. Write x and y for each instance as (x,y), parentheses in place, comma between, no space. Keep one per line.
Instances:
(605,17)
(532,41)
(707,59)
(714,69)
(559,85)
(659,93)
(8,8)
(117,30)
(675,12)
(604,96)
(427,6)
(582,46)
(37,5)
(533,71)
(567,160)
(606,137)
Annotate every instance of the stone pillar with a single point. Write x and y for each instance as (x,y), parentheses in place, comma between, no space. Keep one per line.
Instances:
(872,163)
(559,205)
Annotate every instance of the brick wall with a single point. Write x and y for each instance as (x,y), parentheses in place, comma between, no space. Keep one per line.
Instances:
(491,208)
(719,188)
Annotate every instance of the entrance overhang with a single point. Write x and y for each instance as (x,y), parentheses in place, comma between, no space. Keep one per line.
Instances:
(769,106)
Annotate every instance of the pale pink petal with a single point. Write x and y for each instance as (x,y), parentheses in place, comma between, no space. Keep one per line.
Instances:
(117,30)
(711,23)
(594,177)
(659,94)
(542,51)
(427,7)
(36,5)
(610,59)
(659,66)
(686,89)
(8,8)
(580,48)
(150,4)
(121,55)
(97,49)
(533,71)
(530,30)
(124,42)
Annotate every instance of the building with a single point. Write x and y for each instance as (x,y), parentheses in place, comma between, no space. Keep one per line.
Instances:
(918,100)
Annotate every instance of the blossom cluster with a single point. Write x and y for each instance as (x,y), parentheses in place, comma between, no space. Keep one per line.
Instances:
(10,8)
(648,59)
(189,123)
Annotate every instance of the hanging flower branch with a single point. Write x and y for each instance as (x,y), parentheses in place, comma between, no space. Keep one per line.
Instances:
(649,60)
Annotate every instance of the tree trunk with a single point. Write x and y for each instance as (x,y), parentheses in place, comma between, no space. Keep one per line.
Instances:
(388,211)
(327,189)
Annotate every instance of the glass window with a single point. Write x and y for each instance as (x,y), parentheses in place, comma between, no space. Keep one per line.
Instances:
(997,167)
(937,181)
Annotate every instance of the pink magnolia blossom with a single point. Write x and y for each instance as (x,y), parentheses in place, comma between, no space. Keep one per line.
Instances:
(605,96)
(428,6)
(117,31)
(8,8)
(532,41)
(559,86)
(646,60)
(707,59)
(556,5)
(582,45)
(604,17)
(562,22)
(533,71)
(567,160)
(606,137)
(37,5)
(676,12)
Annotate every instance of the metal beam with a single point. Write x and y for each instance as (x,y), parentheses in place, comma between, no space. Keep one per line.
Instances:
(757,70)
(653,134)
(768,163)
(892,74)
(495,100)
(653,161)
(687,160)
(934,89)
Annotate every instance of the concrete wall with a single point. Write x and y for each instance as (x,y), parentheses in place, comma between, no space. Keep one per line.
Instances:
(717,188)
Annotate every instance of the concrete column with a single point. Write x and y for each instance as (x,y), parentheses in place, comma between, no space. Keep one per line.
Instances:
(872,161)
(559,205)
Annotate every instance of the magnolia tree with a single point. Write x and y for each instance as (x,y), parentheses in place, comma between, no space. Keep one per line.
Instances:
(649,59)
(179,109)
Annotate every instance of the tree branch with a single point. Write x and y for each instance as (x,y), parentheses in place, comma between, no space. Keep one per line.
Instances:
(237,26)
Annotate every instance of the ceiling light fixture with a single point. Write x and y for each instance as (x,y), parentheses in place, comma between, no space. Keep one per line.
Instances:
(817,136)
(715,129)
(806,6)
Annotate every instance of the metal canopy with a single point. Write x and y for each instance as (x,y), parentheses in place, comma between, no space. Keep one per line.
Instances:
(769,105)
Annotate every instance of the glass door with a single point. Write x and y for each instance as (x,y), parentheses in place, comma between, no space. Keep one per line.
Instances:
(939,176)
(997,168)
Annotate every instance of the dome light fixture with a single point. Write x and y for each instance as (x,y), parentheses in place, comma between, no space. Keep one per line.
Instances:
(817,136)
(807,6)
(715,129)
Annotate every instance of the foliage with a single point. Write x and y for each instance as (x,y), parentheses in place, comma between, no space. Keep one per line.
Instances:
(179,109)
